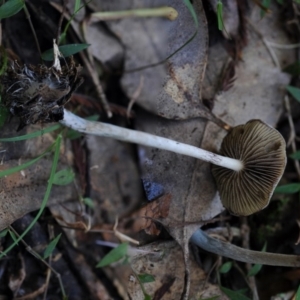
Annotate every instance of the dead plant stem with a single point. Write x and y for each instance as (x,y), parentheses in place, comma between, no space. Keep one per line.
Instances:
(36,255)
(266,43)
(33,30)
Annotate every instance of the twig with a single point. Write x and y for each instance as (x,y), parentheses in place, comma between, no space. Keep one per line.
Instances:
(291,142)
(60,22)
(97,84)
(282,46)
(135,96)
(245,234)
(266,43)
(33,30)
(48,276)
(36,255)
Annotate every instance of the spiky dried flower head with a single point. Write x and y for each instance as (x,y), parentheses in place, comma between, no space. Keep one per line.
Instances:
(37,94)
(261,148)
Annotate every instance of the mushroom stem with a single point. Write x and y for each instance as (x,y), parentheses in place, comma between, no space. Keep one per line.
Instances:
(210,244)
(133,136)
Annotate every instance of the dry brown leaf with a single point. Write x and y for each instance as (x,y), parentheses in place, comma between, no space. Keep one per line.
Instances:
(171,89)
(166,263)
(113,191)
(23,192)
(146,216)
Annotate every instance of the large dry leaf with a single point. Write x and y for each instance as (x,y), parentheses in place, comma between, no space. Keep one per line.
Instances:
(171,89)
(115,183)
(23,192)
(165,262)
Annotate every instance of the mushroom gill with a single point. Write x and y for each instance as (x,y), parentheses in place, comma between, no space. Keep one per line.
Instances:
(261,149)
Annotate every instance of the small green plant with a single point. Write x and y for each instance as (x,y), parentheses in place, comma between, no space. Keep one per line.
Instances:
(226,267)
(121,253)
(50,248)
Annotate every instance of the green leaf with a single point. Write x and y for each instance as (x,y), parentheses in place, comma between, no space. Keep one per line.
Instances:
(280,2)
(266,4)
(211,298)
(146,278)
(113,256)
(295,155)
(291,188)
(147,297)
(64,177)
(66,50)
(293,69)
(298,294)
(10,8)
(3,233)
(295,92)
(48,251)
(225,268)
(232,295)
(257,267)
(88,202)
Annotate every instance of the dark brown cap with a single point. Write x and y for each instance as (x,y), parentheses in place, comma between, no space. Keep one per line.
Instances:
(261,148)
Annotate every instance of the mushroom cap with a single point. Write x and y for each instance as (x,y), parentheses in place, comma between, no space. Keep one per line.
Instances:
(261,148)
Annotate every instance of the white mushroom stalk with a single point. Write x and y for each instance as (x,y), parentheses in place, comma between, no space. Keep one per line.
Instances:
(133,136)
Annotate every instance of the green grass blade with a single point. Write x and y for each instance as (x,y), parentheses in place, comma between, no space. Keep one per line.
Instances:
(31,135)
(113,256)
(45,200)
(220,15)
(298,294)
(23,166)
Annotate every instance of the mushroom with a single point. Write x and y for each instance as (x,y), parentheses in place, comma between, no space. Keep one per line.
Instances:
(253,162)
(261,148)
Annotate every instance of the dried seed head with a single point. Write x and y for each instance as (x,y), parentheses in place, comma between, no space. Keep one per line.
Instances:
(38,93)
(261,148)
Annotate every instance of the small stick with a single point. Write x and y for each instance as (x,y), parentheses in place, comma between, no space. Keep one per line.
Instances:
(36,255)
(32,29)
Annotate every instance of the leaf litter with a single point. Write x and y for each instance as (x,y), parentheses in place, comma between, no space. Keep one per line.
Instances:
(176,90)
